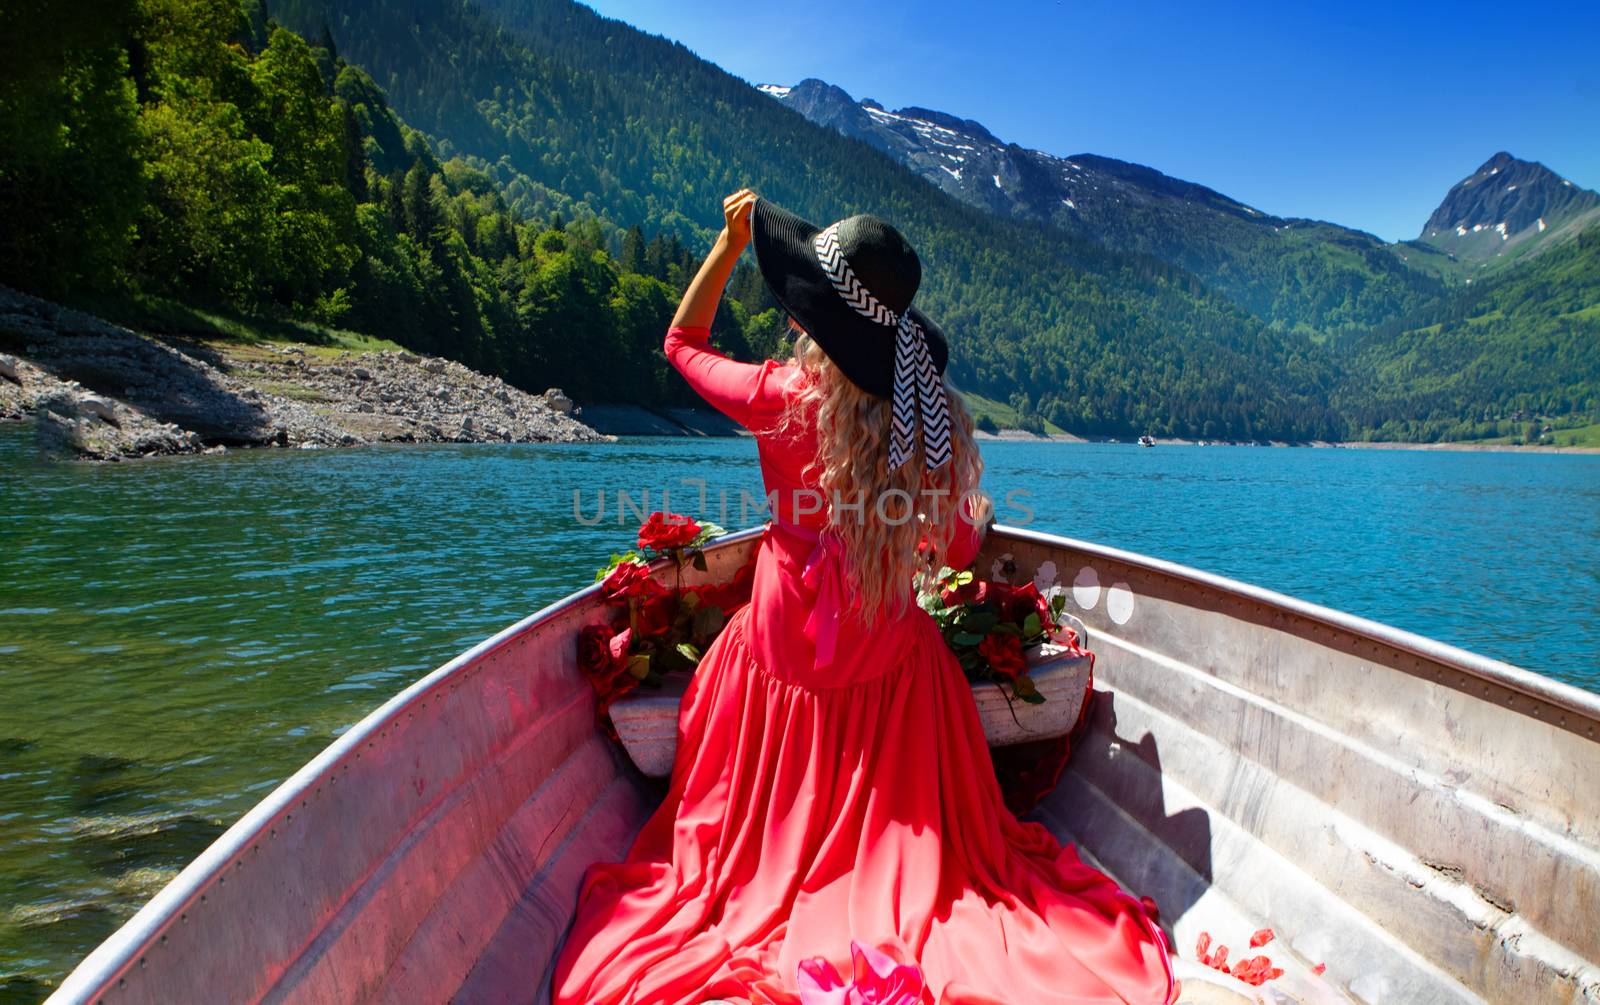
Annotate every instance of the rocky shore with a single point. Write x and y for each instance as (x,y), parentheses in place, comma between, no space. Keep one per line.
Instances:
(105,392)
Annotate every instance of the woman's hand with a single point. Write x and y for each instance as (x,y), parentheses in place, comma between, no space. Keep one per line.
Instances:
(736,211)
(699,303)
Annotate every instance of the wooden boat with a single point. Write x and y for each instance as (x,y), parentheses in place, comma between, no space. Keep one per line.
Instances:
(1420,819)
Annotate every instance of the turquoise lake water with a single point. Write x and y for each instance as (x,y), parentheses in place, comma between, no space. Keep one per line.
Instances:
(177,636)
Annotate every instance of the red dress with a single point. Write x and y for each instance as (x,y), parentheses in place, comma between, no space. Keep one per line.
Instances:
(820,800)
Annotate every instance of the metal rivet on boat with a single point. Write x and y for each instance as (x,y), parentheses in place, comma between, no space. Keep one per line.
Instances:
(143,962)
(220,880)
(163,940)
(183,919)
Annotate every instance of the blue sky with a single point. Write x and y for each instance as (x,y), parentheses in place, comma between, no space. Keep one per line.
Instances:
(1360,113)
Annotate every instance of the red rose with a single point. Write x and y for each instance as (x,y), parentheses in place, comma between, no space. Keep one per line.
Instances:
(594,650)
(1003,652)
(1026,600)
(997,594)
(667,530)
(603,658)
(971,593)
(656,614)
(629,579)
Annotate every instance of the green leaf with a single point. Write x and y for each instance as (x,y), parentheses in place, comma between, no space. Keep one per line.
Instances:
(688,652)
(616,560)
(699,561)
(1034,698)
(1030,624)
(980,620)
(966,638)
(639,665)
(1023,685)
(708,621)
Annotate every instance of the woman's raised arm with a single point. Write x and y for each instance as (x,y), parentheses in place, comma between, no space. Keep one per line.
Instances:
(743,392)
(699,303)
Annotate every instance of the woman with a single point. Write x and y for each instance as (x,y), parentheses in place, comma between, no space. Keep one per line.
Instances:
(832,809)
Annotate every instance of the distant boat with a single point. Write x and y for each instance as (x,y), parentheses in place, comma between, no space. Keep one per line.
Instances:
(1147,440)
(1420,819)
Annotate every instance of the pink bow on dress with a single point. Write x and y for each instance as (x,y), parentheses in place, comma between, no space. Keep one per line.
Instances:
(878,980)
(824,572)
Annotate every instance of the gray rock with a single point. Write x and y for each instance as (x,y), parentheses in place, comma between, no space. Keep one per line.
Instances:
(193,392)
(100,408)
(557,401)
(8,369)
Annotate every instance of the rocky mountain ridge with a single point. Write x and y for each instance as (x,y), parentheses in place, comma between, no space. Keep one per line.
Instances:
(1260,261)
(1506,208)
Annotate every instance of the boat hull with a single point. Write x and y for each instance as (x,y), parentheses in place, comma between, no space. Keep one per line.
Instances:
(1418,818)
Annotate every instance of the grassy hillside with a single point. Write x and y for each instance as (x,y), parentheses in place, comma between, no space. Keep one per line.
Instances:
(1508,357)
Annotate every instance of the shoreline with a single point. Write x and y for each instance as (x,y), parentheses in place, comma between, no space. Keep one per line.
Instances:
(1023,436)
(103,392)
(100,391)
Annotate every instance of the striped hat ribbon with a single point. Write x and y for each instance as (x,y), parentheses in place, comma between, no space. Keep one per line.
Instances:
(918,391)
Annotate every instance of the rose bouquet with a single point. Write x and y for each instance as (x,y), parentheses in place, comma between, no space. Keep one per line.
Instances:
(654,629)
(990,626)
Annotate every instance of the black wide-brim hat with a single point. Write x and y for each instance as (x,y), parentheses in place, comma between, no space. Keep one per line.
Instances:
(879,257)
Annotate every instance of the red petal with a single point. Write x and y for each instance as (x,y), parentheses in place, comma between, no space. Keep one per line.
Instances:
(1320,968)
(1202,948)
(1261,938)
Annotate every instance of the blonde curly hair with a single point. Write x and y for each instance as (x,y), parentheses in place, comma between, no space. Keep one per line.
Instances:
(896,526)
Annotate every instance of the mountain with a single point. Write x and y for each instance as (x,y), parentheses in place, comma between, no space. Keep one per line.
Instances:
(1519,344)
(1292,273)
(639,129)
(1506,210)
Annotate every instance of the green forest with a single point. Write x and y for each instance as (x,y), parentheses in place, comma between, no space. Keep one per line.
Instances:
(526,187)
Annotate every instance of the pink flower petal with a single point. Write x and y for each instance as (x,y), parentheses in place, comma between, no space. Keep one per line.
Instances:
(820,984)
(882,981)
